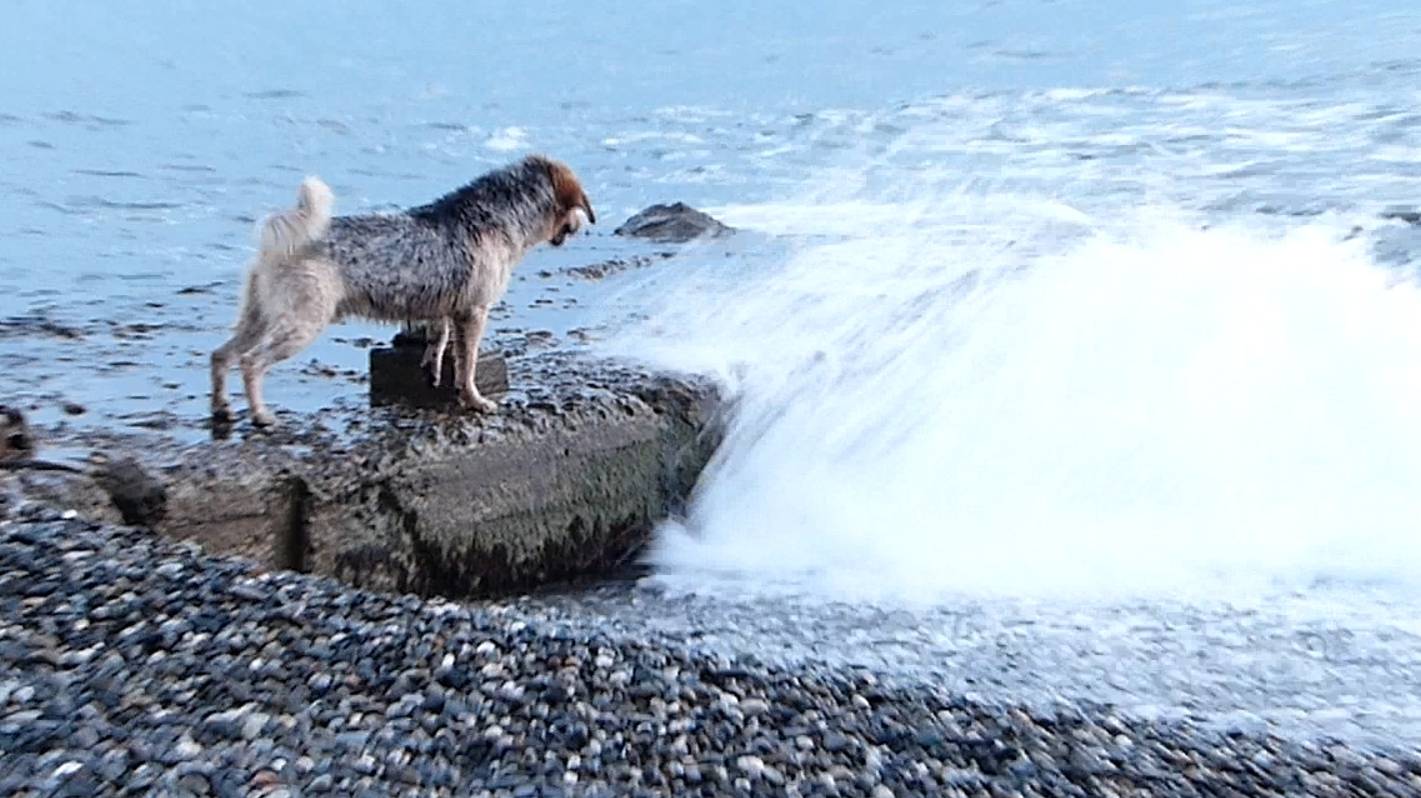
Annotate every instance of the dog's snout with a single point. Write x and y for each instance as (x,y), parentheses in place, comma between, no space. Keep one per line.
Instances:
(561,235)
(19,442)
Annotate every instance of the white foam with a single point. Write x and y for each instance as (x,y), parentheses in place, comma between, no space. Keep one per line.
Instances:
(507,139)
(1395,154)
(652,135)
(1124,405)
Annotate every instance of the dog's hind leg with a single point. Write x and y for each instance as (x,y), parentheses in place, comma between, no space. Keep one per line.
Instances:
(249,331)
(471,330)
(283,341)
(434,352)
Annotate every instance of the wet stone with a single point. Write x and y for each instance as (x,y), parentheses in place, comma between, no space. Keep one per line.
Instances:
(673,223)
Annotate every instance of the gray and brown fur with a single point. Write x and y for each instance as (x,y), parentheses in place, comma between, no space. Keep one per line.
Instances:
(447,262)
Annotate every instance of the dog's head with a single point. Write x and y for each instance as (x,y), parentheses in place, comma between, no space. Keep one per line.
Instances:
(16,443)
(571,208)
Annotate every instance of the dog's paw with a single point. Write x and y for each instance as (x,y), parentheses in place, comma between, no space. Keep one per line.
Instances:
(264,419)
(222,413)
(478,403)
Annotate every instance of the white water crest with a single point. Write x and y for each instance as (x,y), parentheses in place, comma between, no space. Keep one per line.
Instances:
(943,392)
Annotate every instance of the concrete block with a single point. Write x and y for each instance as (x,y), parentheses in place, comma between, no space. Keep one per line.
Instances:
(397,377)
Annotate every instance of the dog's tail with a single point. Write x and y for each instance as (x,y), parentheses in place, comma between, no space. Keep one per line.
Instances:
(285,233)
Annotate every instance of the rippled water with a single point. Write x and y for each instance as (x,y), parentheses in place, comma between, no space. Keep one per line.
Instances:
(1060,237)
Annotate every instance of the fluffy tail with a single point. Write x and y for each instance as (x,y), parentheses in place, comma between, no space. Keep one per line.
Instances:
(285,233)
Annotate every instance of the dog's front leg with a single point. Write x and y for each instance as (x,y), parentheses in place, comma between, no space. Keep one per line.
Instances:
(471,331)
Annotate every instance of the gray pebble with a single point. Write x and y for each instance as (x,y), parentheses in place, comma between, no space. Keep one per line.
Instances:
(186,674)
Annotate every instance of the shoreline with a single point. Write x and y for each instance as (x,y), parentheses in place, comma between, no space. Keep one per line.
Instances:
(132,662)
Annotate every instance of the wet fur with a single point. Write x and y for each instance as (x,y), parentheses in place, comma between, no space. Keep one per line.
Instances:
(434,352)
(447,262)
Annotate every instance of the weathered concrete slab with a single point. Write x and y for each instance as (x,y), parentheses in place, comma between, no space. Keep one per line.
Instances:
(236,500)
(545,491)
(566,479)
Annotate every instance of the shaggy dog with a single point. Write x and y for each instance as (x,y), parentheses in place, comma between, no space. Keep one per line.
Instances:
(446,262)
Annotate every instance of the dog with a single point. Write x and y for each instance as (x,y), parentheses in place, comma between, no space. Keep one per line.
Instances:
(448,261)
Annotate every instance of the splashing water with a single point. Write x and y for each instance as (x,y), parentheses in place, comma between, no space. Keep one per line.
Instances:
(989,394)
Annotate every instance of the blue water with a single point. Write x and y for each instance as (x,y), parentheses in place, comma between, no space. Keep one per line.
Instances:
(138,142)
(186,117)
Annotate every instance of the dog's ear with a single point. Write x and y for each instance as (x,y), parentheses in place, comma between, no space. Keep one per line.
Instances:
(568,192)
(587,206)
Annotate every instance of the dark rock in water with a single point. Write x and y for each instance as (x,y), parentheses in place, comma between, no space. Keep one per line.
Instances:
(605,268)
(141,499)
(675,223)
(16,440)
(1409,217)
(16,326)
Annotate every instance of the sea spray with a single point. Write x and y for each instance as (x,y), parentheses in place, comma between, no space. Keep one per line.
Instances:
(994,394)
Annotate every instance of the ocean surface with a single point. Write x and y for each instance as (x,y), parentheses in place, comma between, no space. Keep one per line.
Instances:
(1075,346)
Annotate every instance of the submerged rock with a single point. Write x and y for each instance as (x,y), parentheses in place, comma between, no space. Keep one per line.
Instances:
(1399,215)
(675,223)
